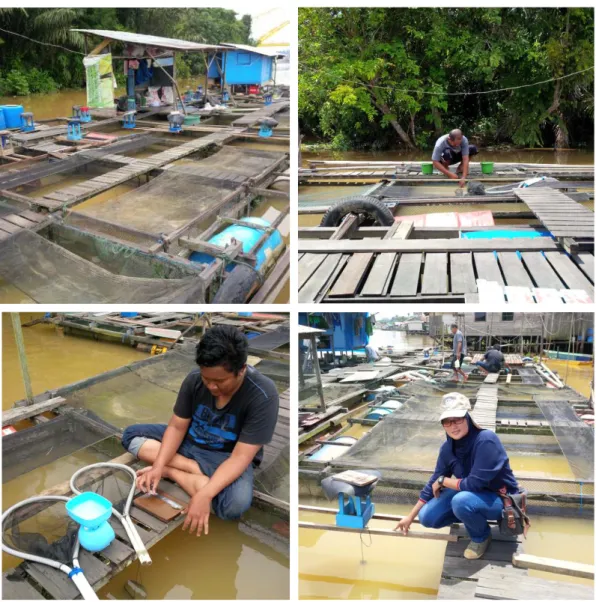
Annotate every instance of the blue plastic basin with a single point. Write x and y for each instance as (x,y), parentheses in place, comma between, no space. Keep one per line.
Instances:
(89,509)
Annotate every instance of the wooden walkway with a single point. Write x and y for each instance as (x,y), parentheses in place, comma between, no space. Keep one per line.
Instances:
(512,359)
(73,195)
(485,408)
(562,216)
(268,111)
(13,223)
(435,269)
(495,577)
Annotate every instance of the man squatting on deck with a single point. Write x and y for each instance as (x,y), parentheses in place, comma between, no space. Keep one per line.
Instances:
(459,352)
(493,361)
(471,471)
(224,414)
(451,149)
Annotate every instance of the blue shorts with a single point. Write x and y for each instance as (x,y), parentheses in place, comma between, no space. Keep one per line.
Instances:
(490,367)
(231,502)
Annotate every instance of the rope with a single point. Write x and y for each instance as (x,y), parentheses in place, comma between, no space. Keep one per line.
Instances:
(42,43)
(428,93)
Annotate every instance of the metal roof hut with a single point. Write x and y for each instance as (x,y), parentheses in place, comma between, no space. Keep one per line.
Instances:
(244,65)
(140,47)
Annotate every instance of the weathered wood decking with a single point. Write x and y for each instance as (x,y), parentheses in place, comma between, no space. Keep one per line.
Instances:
(562,216)
(13,223)
(485,408)
(73,195)
(268,111)
(495,577)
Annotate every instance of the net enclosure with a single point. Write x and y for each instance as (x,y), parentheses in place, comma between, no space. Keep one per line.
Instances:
(98,409)
(405,445)
(49,272)
(182,192)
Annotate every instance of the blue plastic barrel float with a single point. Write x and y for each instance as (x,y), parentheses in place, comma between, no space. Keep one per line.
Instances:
(328,452)
(2,120)
(12,115)
(248,237)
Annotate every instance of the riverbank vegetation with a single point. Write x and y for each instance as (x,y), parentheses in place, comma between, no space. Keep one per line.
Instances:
(28,68)
(385,78)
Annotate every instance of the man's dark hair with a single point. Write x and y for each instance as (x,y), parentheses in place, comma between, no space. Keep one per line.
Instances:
(223,346)
(497,347)
(453,325)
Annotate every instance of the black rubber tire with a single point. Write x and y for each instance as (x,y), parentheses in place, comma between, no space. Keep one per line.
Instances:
(237,286)
(371,207)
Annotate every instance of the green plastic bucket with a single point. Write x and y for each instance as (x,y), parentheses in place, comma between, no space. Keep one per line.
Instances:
(487,167)
(427,169)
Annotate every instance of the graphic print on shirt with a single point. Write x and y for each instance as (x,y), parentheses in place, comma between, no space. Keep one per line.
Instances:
(212,429)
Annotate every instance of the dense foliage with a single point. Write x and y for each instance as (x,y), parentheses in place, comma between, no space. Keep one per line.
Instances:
(363,71)
(27,67)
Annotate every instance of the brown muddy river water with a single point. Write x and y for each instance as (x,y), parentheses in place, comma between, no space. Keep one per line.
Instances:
(230,563)
(60,104)
(330,565)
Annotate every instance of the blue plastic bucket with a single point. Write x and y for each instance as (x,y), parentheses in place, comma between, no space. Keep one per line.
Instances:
(248,237)
(12,115)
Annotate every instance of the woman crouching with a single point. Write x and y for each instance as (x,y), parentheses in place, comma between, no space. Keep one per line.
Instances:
(472,472)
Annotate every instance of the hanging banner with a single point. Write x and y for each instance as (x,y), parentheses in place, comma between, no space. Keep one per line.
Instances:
(99,76)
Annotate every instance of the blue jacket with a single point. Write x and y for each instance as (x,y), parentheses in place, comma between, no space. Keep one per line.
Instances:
(479,460)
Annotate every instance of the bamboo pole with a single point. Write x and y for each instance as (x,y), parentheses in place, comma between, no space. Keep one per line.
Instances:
(18,335)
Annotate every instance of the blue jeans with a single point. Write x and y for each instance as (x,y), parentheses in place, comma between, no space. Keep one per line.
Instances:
(489,367)
(229,503)
(473,509)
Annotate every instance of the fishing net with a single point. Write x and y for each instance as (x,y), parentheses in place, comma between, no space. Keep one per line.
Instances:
(41,528)
(153,385)
(40,445)
(575,438)
(181,193)
(50,273)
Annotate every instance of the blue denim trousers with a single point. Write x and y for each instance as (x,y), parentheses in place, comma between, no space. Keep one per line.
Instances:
(490,367)
(231,502)
(473,509)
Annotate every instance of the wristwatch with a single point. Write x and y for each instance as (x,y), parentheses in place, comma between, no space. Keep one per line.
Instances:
(441,479)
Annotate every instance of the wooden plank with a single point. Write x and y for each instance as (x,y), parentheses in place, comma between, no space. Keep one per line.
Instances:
(8,227)
(510,587)
(15,414)
(379,276)
(15,588)
(569,272)
(541,271)
(309,291)
(307,266)
(371,531)
(434,278)
(439,245)
(18,221)
(462,273)
(585,262)
(514,271)
(33,216)
(407,275)
(349,280)
(118,552)
(552,565)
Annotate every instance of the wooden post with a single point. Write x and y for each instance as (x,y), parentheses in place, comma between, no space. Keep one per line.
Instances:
(18,335)
(315,363)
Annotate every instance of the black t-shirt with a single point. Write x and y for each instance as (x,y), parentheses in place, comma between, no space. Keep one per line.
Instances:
(249,417)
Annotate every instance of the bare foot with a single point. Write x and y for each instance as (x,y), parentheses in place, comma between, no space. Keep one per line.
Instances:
(191,483)
(466,378)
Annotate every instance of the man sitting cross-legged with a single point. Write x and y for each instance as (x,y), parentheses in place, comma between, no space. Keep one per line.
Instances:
(225,412)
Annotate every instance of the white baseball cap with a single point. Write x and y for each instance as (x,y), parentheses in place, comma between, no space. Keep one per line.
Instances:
(456,405)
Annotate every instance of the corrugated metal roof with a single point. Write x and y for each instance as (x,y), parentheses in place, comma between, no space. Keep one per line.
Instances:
(144,40)
(256,50)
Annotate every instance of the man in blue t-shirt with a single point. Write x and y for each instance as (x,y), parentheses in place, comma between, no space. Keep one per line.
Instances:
(451,149)
(226,411)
